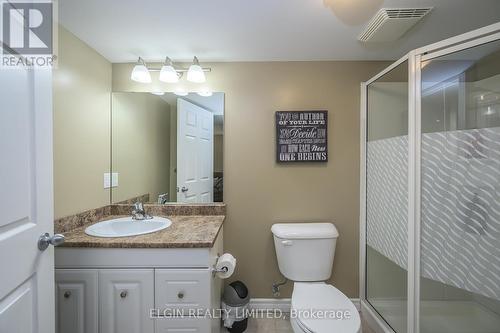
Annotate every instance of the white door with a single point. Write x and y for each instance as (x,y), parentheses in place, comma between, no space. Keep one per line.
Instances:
(126,299)
(26,273)
(195,151)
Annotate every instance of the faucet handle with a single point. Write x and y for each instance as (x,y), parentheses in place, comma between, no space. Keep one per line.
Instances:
(138,206)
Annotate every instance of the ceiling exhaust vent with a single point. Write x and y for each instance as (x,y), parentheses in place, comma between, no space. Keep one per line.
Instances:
(389,24)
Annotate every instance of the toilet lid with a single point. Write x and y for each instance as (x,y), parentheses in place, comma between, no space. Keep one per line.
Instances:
(321,308)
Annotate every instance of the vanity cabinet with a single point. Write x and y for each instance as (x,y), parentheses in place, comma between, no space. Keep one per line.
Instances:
(109,290)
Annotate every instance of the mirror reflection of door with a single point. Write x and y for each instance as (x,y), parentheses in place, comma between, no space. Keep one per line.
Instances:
(195,147)
(166,148)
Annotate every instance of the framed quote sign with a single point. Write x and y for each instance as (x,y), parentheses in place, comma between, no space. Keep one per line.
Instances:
(301,136)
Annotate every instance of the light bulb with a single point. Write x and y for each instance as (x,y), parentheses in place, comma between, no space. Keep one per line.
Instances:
(140,73)
(168,73)
(195,72)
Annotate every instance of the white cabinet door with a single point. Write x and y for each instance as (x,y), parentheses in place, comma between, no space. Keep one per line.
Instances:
(182,289)
(126,297)
(183,325)
(76,301)
(195,147)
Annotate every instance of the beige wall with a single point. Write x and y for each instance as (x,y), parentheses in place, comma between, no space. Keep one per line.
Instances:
(218,153)
(260,192)
(82,87)
(141,145)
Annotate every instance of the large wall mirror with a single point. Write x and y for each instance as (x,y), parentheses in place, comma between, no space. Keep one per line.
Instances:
(167,148)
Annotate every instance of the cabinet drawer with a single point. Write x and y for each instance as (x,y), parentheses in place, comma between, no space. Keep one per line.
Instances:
(183,325)
(182,288)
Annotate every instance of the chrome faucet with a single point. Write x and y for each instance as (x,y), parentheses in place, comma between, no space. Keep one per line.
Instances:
(139,213)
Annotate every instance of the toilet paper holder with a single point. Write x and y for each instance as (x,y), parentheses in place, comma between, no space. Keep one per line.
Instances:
(216,270)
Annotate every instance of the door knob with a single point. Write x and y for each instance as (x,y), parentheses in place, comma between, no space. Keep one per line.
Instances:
(45,240)
(184,189)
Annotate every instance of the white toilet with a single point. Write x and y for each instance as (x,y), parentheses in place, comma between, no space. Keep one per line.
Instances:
(305,255)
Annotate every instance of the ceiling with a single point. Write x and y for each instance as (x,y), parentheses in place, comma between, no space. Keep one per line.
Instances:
(259,30)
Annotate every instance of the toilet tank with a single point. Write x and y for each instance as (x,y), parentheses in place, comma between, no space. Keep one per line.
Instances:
(305,250)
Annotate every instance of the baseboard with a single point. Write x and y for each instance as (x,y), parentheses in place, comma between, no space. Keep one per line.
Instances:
(282,304)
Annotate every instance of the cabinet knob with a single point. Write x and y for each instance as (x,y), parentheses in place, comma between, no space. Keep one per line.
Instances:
(67,294)
(180,295)
(123,294)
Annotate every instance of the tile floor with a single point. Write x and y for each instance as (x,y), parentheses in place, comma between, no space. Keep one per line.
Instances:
(281,326)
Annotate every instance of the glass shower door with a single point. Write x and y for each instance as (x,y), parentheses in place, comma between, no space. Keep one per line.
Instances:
(387,196)
(460,192)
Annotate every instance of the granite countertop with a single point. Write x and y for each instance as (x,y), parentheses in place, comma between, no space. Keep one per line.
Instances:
(186,231)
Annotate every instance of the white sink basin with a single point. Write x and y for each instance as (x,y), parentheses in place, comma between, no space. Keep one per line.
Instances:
(126,226)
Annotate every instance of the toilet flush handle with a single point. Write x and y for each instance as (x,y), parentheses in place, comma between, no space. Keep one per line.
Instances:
(287,242)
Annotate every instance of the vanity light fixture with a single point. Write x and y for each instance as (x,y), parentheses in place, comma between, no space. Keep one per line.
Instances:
(140,73)
(195,72)
(158,93)
(168,73)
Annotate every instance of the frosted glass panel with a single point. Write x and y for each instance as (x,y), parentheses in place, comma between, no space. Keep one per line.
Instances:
(387,196)
(460,200)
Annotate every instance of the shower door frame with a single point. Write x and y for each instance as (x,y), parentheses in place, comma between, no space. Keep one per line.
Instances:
(415,57)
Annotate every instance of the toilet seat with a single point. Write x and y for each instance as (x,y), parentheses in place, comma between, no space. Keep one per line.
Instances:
(326,300)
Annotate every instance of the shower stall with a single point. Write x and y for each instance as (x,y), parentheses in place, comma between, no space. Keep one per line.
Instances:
(430,189)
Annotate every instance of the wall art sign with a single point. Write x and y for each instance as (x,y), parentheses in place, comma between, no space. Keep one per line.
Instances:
(301,136)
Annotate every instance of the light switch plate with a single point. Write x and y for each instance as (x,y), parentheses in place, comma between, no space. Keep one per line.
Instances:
(114,179)
(110,179)
(107,180)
